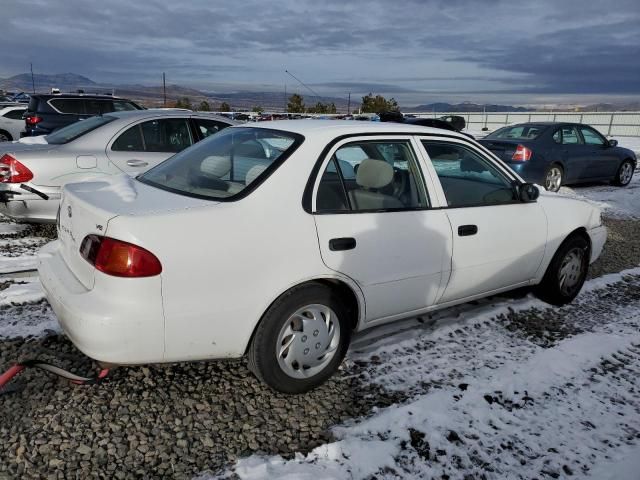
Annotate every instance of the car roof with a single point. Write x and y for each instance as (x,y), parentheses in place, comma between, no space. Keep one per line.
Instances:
(49,96)
(133,114)
(349,127)
(545,124)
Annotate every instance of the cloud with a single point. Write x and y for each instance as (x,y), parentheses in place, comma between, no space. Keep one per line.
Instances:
(410,48)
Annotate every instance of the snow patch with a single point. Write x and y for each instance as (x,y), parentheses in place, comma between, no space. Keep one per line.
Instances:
(26,290)
(39,140)
(122,185)
(14,264)
(11,228)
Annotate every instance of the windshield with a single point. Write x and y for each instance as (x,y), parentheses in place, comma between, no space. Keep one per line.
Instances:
(518,132)
(225,164)
(78,129)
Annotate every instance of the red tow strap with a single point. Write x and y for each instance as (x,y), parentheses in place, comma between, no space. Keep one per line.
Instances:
(6,377)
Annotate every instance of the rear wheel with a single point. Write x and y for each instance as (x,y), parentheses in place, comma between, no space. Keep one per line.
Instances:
(566,272)
(5,136)
(624,174)
(301,339)
(553,178)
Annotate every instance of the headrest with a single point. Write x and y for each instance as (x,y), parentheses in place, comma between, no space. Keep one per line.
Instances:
(216,166)
(374,173)
(253,173)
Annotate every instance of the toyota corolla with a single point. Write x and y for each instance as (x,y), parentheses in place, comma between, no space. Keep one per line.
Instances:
(279,241)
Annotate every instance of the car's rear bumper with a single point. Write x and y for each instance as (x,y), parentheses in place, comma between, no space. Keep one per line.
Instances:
(23,206)
(119,321)
(598,237)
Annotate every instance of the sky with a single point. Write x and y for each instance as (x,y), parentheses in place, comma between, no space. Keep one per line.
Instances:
(418,51)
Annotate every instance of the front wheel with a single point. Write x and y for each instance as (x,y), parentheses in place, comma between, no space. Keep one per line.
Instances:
(5,137)
(553,178)
(301,339)
(566,273)
(624,174)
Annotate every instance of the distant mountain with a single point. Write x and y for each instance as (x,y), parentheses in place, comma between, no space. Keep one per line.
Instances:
(611,107)
(44,82)
(465,107)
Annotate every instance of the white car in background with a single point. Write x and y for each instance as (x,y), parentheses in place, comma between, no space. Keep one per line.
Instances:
(11,122)
(34,170)
(280,240)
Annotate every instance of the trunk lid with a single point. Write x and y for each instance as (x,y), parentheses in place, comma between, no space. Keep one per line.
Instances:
(503,149)
(86,208)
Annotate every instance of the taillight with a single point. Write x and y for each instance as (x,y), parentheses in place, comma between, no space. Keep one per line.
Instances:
(118,258)
(12,171)
(522,154)
(32,120)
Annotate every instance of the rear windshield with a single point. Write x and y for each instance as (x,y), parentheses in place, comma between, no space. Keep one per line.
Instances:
(225,164)
(78,129)
(518,132)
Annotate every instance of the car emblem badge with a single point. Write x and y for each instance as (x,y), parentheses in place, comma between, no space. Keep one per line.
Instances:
(69,212)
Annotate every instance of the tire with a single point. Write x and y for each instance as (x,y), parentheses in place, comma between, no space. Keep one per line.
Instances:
(566,273)
(281,353)
(624,174)
(553,177)
(5,136)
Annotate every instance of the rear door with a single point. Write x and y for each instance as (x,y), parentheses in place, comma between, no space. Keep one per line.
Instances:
(375,225)
(498,242)
(143,145)
(570,148)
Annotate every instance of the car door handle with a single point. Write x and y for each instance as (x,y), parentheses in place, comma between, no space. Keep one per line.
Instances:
(137,163)
(345,243)
(467,230)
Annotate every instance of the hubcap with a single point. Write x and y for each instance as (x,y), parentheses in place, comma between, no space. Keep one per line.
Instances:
(626,173)
(571,271)
(553,180)
(308,341)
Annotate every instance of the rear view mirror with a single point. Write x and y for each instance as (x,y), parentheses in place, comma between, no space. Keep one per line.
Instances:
(613,143)
(528,192)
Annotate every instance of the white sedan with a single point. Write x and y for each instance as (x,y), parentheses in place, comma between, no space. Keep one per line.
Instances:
(34,170)
(278,241)
(11,122)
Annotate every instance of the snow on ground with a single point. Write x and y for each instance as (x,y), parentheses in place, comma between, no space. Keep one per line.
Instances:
(13,264)
(22,290)
(489,402)
(11,228)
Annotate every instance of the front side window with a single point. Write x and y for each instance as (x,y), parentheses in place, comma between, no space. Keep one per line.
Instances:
(14,114)
(209,127)
(224,165)
(97,107)
(591,137)
(77,130)
(123,106)
(372,176)
(468,180)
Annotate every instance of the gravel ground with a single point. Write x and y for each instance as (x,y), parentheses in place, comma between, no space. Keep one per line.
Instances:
(179,420)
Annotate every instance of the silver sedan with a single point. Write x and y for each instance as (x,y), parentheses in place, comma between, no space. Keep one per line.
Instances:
(33,174)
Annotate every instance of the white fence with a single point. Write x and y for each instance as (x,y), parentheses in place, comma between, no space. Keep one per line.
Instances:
(613,124)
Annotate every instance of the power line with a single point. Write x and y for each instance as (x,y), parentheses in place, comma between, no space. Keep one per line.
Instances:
(302,83)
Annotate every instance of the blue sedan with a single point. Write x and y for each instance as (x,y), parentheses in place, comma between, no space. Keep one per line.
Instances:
(555,154)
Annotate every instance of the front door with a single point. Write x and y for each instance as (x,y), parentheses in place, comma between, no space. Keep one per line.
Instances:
(375,225)
(498,241)
(142,146)
(602,161)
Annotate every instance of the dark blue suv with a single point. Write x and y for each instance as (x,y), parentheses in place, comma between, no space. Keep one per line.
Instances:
(50,112)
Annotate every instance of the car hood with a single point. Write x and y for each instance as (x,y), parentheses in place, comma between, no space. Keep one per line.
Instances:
(123,195)
(577,211)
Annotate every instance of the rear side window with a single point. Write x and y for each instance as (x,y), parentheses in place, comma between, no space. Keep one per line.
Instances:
(97,107)
(467,179)
(14,114)
(68,105)
(372,176)
(223,166)
(129,141)
(569,136)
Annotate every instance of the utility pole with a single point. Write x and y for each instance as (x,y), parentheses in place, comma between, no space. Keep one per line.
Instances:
(33,83)
(349,105)
(164,90)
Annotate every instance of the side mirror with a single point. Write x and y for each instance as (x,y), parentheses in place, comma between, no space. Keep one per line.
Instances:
(528,193)
(613,143)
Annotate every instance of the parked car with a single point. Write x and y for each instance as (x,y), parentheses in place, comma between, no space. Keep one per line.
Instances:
(254,242)
(554,154)
(32,175)
(11,123)
(47,113)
